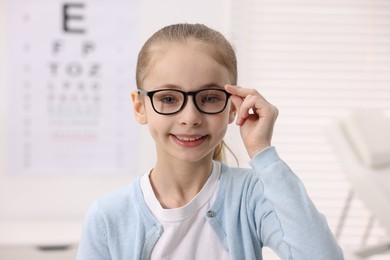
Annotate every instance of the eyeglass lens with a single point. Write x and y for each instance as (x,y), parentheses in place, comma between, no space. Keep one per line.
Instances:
(207,101)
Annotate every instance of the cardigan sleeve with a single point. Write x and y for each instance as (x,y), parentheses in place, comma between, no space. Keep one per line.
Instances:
(93,244)
(293,228)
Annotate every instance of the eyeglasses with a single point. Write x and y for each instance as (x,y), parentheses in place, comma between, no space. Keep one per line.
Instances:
(172,101)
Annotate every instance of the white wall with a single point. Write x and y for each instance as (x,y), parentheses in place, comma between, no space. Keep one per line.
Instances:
(42,210)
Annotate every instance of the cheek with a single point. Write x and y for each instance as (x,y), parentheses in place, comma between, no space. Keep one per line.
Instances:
(157,126)
(220,125)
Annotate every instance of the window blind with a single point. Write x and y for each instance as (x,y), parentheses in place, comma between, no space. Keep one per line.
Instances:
(316,61)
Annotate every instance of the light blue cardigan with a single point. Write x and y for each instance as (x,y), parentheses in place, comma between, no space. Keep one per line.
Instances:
(263,206)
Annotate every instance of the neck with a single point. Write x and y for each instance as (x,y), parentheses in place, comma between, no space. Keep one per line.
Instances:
(175,183)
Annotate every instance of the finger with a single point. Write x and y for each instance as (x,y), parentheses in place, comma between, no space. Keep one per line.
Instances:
(237,101)
(248,106)
(241,92)
(238,96)
(251,103)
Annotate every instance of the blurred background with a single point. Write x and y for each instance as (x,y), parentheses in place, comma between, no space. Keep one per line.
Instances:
(68,135)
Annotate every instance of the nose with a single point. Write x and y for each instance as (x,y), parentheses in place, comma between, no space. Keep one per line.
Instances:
(190,115)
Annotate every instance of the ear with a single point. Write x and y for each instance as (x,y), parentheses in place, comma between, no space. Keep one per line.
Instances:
(232,113)
(139,108)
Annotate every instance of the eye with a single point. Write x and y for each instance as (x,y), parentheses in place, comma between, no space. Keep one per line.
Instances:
(210,99)
(168,100)
(211,96)
(168,97)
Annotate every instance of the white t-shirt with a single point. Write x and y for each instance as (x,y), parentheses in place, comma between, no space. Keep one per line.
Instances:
(187,235)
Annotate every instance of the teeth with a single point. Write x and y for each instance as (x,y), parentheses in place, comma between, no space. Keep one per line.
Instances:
(188,139)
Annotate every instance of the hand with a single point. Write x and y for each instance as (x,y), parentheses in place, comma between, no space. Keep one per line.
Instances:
(255,116)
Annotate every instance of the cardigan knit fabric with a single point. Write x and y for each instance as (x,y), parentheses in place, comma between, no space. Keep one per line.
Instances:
(264,206)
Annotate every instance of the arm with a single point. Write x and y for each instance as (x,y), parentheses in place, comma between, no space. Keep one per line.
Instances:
(294,228)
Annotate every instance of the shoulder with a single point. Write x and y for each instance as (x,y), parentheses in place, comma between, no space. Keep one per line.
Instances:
(120,202)
(257,165)
(265,170)
(238,183)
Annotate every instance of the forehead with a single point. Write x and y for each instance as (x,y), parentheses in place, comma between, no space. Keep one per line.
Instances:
(187,65)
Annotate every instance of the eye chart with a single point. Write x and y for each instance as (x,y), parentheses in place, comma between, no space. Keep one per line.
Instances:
(69,72)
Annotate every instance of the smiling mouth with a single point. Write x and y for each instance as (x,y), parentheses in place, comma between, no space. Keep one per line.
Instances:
(189,141)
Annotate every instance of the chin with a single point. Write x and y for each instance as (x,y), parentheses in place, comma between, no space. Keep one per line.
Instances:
(193,158)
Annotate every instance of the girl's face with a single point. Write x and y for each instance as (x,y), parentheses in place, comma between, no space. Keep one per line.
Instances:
(188,135)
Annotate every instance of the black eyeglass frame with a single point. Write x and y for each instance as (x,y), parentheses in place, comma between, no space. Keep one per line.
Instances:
(185,95)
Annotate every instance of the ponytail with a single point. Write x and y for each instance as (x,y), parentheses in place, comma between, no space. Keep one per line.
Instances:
(220,153)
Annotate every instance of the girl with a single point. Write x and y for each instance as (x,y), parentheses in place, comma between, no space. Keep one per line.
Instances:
(191,205)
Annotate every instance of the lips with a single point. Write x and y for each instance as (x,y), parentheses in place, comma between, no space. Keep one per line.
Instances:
(189,140)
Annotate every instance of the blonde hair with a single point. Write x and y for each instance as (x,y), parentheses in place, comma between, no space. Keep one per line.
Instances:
(213,42)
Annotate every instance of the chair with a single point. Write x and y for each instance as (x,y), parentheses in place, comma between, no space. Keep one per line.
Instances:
(362,142)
